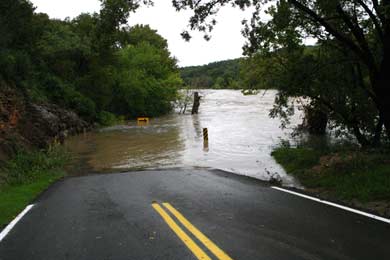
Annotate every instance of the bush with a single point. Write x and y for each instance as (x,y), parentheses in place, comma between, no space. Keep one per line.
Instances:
(26,176)
(82,105)
(108,119)
(26,167)
(66,96)
(353,174)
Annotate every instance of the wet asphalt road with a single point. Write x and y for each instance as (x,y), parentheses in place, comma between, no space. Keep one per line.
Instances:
(111,217)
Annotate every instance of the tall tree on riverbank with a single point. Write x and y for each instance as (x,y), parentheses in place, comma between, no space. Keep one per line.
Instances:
(78,63)
(360,28)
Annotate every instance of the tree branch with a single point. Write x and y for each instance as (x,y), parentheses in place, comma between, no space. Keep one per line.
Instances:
(374,19)
(368,91)
(358,34)
(339,36)
(375,3)
(351,122)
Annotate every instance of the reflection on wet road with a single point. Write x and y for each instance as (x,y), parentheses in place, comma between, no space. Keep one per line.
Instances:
(241,137)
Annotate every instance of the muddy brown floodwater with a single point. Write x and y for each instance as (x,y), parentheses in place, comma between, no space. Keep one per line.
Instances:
(241,138)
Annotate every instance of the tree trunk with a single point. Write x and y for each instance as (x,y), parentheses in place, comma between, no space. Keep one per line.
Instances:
(196,104)
(383,95)
(376,141)
(316,120)
(381,84)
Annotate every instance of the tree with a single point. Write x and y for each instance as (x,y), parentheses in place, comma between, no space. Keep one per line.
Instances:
(17,38)
(113,15)
(147,81)
(259,72)
(359,28)
(221,74)
(142,33)
(91,64)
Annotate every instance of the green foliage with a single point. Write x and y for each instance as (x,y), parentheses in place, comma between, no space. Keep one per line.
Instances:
(65,95)
(113,15)
(13,199)
(361,175)
(16,24)
(26,176)
(295,159)
(257,72)
(27,167)
(328,81)
(108,119)
(91,64)
(318,78)
(143,33)
(84,106)
(147,81)
(216,75)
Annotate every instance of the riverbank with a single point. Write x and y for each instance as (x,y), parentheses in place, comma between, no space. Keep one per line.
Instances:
(357,178)
(25,176)
(29,162)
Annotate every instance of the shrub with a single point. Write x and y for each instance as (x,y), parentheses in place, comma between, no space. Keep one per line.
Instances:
(108,119)
(28,166)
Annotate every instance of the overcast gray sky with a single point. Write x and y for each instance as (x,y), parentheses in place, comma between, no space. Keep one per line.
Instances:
(226,43)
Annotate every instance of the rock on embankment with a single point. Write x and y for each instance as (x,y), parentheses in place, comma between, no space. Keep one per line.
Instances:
(27,125)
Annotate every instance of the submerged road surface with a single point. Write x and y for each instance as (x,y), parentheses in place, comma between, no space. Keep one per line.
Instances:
(187,214)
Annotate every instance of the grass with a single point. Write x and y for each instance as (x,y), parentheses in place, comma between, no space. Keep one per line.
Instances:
(25,177)
(345,174)
(14,199)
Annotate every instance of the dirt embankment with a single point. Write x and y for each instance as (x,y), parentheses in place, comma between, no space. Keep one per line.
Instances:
(26,125)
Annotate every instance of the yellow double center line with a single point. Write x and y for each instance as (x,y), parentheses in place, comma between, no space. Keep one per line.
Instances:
(195,249)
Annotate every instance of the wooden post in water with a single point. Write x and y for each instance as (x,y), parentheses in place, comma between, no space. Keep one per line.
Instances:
(196,104)
(205,139)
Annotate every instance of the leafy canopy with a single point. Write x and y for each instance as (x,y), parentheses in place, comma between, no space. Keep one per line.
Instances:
(94,64)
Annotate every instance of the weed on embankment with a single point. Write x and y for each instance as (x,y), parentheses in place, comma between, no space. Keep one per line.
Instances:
(341,172)
(25,176)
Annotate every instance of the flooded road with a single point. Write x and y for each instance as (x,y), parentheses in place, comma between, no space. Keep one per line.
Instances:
(241,138)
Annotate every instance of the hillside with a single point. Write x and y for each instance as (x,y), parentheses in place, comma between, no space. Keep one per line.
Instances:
(216,75)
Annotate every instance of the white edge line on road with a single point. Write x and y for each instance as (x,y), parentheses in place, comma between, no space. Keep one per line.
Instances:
(334,205)
(11,225)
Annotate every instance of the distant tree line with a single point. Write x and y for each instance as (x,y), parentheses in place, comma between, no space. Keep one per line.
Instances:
(93,64)
(215,75)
